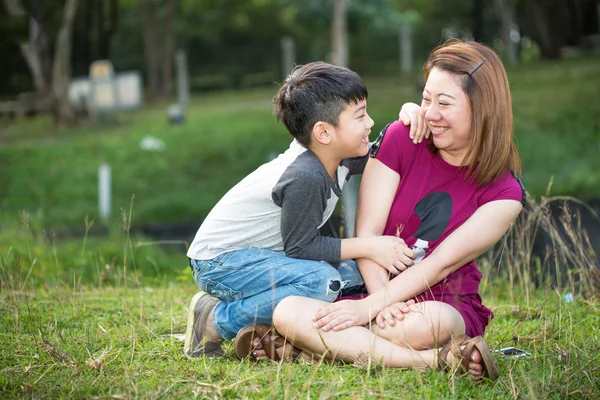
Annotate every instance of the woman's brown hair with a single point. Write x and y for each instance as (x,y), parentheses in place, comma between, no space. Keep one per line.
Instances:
(482,76)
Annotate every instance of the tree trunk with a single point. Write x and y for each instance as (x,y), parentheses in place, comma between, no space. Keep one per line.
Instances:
(478,30)
(61,71)
(506,11)
(339,33)
(32,51)
(32,58)
(85,51)
(148,14)
(540,25)
(108,20)
(168,49)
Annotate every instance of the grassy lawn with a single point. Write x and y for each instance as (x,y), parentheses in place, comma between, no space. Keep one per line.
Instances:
(88,341)
(99,318)
(52,173)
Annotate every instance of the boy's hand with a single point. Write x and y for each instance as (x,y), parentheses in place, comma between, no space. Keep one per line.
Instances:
(411,114)
(341,315)
(391,253)
(393,312)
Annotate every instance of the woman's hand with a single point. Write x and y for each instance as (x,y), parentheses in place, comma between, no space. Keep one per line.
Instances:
(410,113)
(392,313)
(343,314)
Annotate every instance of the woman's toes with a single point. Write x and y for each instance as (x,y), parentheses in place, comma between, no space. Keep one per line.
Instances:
(256,343)
(475,367)
(475,356)
(475,370)
(259,354)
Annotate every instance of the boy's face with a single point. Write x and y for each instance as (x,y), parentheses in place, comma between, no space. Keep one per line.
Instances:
(351,137)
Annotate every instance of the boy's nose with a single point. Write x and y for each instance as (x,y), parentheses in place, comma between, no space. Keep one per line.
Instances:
(370,123)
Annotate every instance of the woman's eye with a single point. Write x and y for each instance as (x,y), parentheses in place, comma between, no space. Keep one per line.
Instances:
(443,104)
(425,99)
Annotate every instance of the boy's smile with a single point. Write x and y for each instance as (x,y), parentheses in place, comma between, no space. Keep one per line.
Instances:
(352,133)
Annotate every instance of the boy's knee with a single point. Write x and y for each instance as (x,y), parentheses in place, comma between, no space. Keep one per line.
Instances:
(329,286)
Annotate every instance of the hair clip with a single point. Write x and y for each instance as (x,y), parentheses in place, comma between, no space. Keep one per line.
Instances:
(477,67)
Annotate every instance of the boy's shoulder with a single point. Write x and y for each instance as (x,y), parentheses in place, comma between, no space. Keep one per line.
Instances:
(305,169)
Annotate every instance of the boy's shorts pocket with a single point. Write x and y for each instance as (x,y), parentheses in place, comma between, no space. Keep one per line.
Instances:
(222,292)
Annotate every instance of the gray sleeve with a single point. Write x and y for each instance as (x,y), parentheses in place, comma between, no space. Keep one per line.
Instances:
(303,199)
(356,165)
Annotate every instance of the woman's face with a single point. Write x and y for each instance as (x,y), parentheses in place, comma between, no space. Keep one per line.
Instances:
(447,111)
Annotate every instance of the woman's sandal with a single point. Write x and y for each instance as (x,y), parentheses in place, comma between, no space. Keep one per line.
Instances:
(463,357)
(270,340)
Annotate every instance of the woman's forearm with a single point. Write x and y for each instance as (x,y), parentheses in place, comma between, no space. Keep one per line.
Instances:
(410,283)
(484,228)
(373,274)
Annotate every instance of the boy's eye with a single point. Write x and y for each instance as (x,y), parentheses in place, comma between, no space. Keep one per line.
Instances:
(425,99)
(443,104)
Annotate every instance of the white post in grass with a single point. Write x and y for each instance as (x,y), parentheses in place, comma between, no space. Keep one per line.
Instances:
(288,53)
(104,191)
(183,79)
(406,48)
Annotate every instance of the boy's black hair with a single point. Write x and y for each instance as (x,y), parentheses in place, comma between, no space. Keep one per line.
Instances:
(315,92)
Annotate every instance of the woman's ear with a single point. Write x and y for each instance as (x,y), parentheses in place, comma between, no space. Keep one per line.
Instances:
(321,132)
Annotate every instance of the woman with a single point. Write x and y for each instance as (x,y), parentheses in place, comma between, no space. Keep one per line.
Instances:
(450,199)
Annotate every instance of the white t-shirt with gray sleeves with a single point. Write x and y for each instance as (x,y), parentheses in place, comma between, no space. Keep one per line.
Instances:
(278,207)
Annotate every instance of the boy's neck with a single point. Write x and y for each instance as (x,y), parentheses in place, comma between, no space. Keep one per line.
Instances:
(329,161)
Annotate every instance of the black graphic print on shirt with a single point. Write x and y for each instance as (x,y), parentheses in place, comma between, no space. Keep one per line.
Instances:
(431,216)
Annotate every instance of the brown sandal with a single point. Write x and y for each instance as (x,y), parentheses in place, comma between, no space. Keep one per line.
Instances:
(462,357)
(269,338)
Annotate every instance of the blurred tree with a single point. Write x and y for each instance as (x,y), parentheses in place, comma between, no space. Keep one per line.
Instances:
(51,75)
(149,33)
(478,20)
(508,29)
(94,31)
(107,12)
(553,24)
(159,74)
(61,67)
(339,33)
(35,48)
(13,68)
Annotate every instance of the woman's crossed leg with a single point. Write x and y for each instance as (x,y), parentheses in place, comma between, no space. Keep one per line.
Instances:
(412,342)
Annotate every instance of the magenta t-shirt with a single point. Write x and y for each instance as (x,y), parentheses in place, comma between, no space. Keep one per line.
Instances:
(433,199)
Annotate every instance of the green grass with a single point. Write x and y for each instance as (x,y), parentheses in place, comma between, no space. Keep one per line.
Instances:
(52,173)
(82,341)
(96,318)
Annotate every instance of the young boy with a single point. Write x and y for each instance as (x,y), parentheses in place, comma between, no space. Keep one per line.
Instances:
(260,244)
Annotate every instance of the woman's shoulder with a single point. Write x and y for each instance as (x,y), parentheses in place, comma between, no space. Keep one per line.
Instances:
(508,186)
(395,134)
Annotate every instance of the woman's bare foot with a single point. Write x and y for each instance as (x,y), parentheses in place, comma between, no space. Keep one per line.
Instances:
(258,354)
(287,351)
(475,362)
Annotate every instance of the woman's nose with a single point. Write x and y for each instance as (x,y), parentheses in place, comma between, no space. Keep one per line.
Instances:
(432,113)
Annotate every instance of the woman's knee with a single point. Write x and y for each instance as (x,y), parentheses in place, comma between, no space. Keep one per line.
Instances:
(285,313)
(293,314)
(427,325)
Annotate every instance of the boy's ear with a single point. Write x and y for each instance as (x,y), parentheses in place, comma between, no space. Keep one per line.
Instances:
(321,132)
